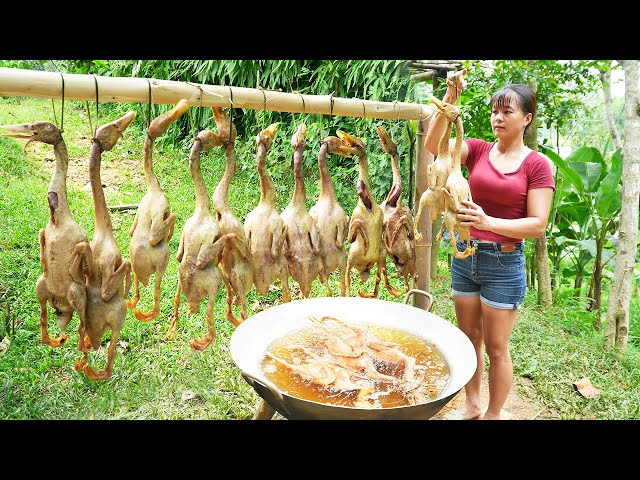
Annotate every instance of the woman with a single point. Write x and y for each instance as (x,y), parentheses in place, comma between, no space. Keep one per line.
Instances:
(512,188)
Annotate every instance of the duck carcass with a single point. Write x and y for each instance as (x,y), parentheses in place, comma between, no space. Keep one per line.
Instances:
(330,218)
(264,228)
(365,227)
(62,288)
(154,222)
(107,276)
(235,262)
(457,187)
(397,226)
(200,249)
(302,243)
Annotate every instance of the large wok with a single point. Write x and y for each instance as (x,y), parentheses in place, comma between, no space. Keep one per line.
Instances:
(251,338)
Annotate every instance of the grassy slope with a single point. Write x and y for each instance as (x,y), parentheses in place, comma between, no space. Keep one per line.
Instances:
(155,379)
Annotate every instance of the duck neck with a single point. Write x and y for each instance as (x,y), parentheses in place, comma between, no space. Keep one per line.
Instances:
(57,195)
(267,189)
(221,193)
(103,220)
(443,146)
(299,198)
(364,170)
(149,177)
(202,197)
(457,149)
(326,184)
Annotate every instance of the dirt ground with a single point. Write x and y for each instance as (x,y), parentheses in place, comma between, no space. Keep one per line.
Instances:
(112,173)
(517,407)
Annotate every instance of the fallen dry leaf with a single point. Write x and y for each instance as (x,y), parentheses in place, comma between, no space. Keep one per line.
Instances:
(585,388)
(122,346)
(188,395)
(4,345)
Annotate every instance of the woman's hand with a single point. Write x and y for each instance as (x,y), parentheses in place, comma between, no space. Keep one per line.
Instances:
(455,84)
(472,215)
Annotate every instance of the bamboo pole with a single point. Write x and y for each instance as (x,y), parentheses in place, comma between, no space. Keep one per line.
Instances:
(17,82)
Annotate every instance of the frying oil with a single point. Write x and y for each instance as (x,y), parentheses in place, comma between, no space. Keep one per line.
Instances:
(303,347)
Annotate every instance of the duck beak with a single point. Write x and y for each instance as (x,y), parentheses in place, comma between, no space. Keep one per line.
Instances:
(349,144)
(387,144)
(18,129)
(438,103)
(271,130)
(123,122)
(161,123)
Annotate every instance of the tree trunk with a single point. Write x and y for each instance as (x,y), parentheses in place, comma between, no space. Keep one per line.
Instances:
(605,78)
(545,297)
(543,272)
(595,288)
(617,322)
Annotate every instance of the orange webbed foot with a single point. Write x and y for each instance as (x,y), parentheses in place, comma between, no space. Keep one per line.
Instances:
(54,342)
(231,318)
(466,253)
(366,295)
(131,304)
(96,375)
(172,328)
(202,343)
(394,291)
(80,363)
(146,317)
(84,345)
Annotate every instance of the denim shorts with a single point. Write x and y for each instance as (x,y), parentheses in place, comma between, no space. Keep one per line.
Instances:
(498,277)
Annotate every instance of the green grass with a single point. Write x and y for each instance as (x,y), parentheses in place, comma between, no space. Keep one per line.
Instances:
(156,379)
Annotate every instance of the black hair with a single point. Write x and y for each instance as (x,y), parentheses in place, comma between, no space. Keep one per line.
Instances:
(521,95)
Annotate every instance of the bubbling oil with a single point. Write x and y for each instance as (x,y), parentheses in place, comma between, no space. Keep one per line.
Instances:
(302,347)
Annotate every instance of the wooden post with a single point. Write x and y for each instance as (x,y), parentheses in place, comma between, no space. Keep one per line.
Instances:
(423,247)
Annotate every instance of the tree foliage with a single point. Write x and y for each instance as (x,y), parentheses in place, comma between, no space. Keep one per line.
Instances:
(562,89)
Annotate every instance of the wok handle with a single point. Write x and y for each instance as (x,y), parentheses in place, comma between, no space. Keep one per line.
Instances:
(271,387)
(421,292)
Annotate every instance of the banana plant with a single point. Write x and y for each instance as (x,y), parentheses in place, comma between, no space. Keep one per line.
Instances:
(585,215)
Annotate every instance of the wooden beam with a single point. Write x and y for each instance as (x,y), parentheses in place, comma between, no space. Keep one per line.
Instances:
(32,83)
(424,76)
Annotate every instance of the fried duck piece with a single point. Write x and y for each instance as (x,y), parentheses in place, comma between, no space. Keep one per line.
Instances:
(235,263)
(63,289)
(437,174)
(102,264)
(321,373)
(200,249)
(154,222)
(330,218)
(457,188)
(397,226)
(365,228)
(352,341)
(302,243)
(264,228)
(349,346)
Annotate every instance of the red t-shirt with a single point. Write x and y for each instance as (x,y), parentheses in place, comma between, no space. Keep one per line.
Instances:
(503,195)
